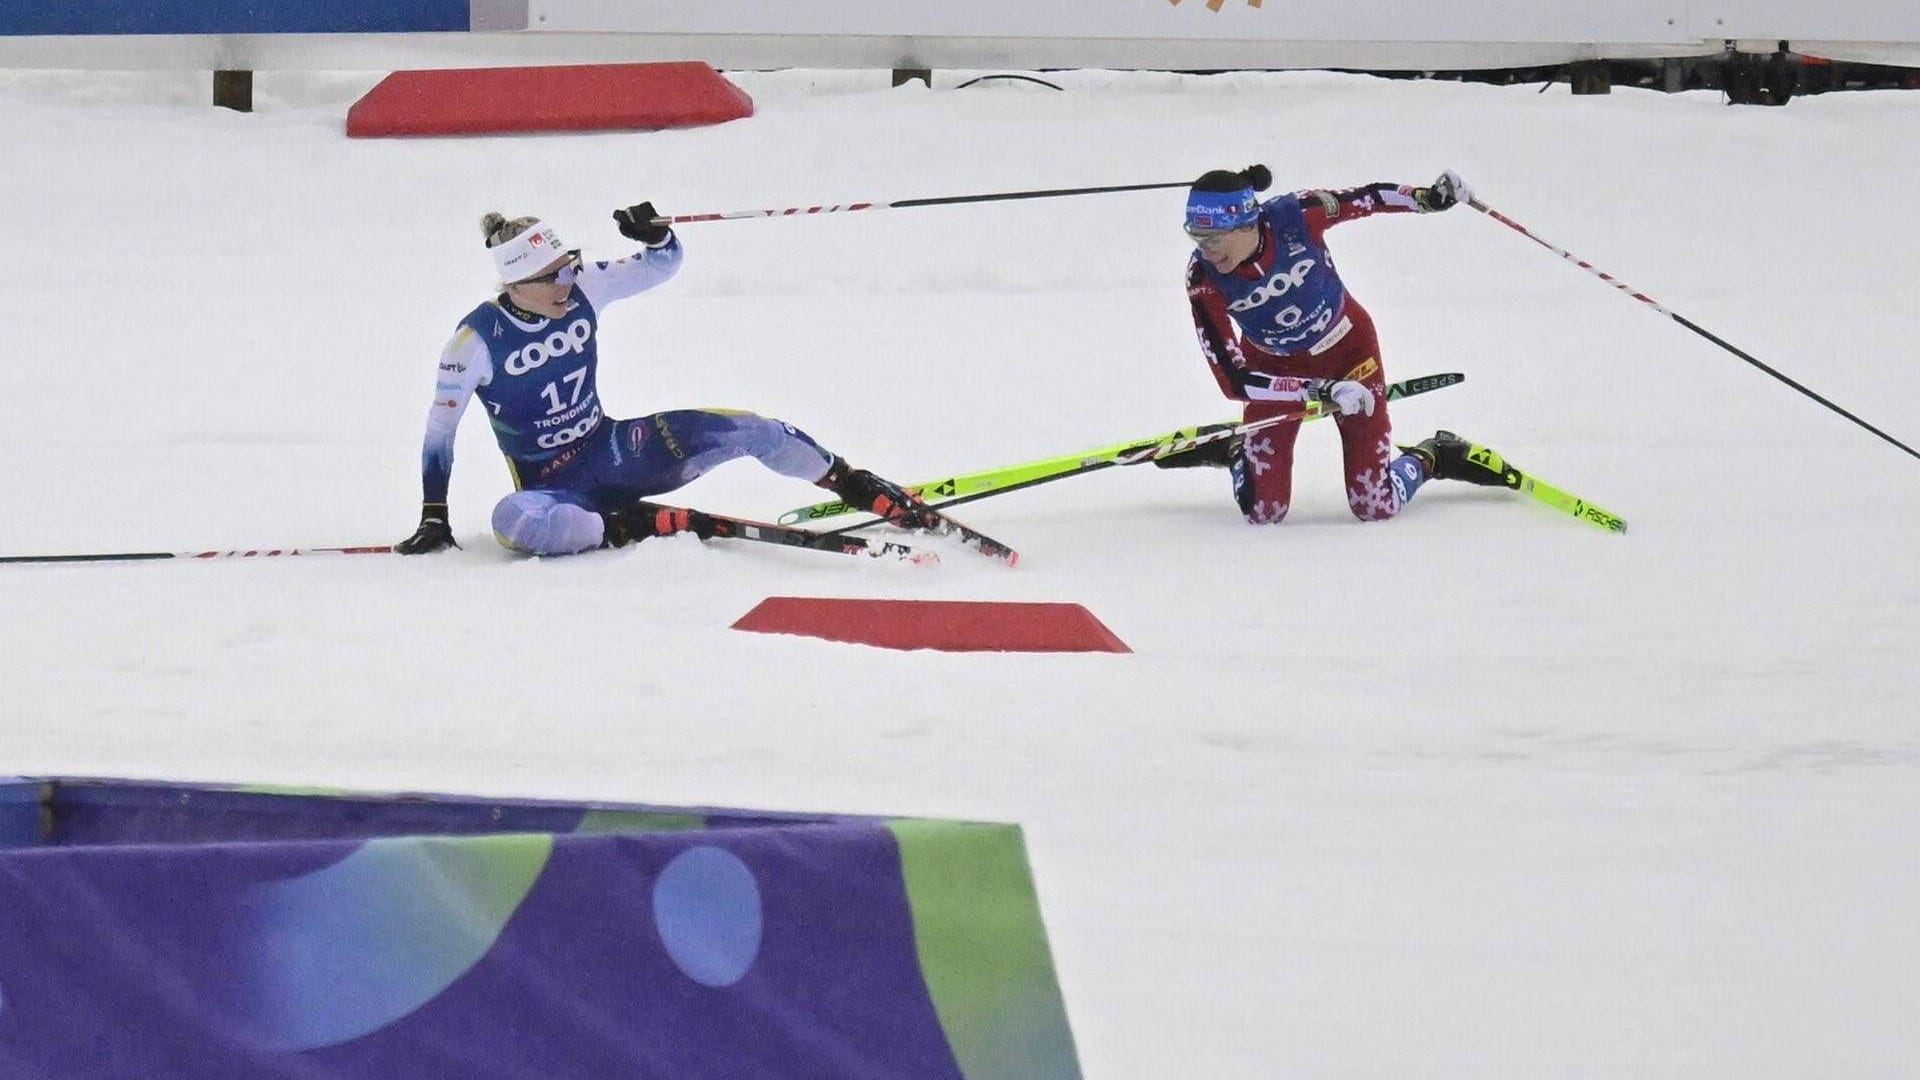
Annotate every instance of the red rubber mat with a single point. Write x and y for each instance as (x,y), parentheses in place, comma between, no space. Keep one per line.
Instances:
(575,97)
(945,625)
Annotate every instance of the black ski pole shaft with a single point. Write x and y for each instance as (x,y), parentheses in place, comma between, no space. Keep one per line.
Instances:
(903,204)
(1683,321)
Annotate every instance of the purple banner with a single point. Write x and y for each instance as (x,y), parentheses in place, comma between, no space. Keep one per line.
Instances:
(788,948)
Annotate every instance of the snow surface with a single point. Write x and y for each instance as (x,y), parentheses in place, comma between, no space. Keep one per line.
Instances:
(1483,791)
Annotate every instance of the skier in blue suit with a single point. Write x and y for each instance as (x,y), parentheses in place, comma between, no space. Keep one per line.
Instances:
(583,479)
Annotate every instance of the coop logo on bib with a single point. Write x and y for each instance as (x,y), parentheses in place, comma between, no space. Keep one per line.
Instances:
(1280,284)
(557,344)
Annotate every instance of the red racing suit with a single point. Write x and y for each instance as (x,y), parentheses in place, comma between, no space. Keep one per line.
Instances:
(1280,326)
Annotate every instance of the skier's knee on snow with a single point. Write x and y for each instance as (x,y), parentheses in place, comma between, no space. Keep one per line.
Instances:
(538,523)
(1268,507)
(1373,502)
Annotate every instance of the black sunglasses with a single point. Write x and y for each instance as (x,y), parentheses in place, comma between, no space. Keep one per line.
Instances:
(564,275)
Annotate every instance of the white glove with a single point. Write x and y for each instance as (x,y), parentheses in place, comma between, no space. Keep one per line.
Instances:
(1351,398)
(1443,194)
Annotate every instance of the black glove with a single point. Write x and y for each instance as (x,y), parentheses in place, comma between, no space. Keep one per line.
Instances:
(434,534)
(634,523)
(637,223)
(1445,193)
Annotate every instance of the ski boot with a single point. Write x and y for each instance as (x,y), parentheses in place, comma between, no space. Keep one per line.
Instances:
(863,490)
(1449,457)
(640,519)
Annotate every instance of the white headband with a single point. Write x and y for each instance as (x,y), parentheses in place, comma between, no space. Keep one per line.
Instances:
(525,255)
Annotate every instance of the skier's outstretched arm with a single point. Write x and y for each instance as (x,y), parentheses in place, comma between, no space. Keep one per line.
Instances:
(657,260)
(1326,208)
(464,366)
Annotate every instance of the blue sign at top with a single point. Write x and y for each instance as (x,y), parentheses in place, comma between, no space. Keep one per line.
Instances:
(234,17)
(19,812)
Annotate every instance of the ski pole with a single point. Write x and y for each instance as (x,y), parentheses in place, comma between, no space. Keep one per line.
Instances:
(1681,319)
(903,204)
(250,553)
(730,528)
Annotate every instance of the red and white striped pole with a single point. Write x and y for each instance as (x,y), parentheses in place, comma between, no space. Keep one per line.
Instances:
(1681,319)
(246,553)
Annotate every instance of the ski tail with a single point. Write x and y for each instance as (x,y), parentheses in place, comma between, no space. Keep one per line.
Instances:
(971,538)
(933,523)
(1423,384)
(733,528)
(1540,490)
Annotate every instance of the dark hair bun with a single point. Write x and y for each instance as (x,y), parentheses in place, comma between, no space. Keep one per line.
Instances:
(1259,177)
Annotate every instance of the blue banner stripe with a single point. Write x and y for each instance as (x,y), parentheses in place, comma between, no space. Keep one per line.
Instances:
(19,813)
(234,17)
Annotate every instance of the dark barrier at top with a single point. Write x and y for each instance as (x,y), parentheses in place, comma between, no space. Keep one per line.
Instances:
(233,17)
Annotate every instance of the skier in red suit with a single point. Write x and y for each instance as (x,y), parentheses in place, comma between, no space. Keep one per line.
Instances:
(1278,329)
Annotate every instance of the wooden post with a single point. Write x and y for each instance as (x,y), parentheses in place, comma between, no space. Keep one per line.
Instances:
(1590,77)
(1673,75)
(233,90)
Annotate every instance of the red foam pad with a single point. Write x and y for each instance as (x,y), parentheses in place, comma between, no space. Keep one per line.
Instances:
(574,97)
(947,625)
